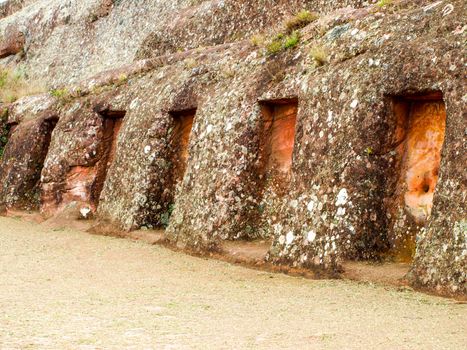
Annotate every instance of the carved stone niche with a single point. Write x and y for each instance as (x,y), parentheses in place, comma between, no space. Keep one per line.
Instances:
(277,142)
(84,184)
(418,140)
(180,141)
(112,124)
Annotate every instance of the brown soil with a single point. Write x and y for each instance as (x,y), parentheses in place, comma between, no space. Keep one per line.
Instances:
(64,289)
(245,253)
(385,273)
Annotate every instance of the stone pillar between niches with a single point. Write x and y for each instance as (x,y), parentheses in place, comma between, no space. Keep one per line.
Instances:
(25,153)
(179,143)
(418,140)
(113,121)
(276,149)
(83,184)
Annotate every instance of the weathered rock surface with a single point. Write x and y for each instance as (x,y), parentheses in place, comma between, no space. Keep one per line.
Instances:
(8,7)
(13,41)
(346,74)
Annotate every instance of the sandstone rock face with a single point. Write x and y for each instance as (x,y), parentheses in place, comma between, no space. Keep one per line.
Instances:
(345,142)
(27,148)
(8,7)
(13,42)
(79,38)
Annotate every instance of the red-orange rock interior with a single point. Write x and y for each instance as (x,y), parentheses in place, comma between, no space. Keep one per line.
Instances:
(181,141)
(420,131)
(278,139)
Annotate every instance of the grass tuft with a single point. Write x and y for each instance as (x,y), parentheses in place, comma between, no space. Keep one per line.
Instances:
(300,20)
(282,42)
(257,40)
(319,56)
(59,93)
(292,40)
(382,3)
(274,47)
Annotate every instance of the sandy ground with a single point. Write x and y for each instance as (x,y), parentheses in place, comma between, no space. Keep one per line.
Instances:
(64,289)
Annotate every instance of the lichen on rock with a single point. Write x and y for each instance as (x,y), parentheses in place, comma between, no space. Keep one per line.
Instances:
(301,147)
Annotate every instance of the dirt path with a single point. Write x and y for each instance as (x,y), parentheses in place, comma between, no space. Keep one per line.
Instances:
(64,289)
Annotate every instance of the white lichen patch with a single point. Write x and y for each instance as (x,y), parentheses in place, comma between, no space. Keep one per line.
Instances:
(342,197)
(311,236)
(310,206)
(340,211)
(290,238)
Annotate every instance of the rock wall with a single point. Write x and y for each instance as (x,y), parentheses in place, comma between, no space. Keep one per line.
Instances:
(8,7)
(29,129)
(72,40)
(345,74)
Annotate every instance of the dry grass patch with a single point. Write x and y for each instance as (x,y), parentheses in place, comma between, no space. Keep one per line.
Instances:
(14,85)
(300,20)
(319,55)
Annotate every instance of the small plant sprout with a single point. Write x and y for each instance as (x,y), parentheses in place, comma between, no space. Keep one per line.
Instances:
(383,3)
(122,79)
(165,216)
(62,95)
(59,93)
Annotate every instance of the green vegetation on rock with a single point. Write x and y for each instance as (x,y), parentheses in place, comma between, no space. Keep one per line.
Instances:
(282,42)
(300,20)
(4,131)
